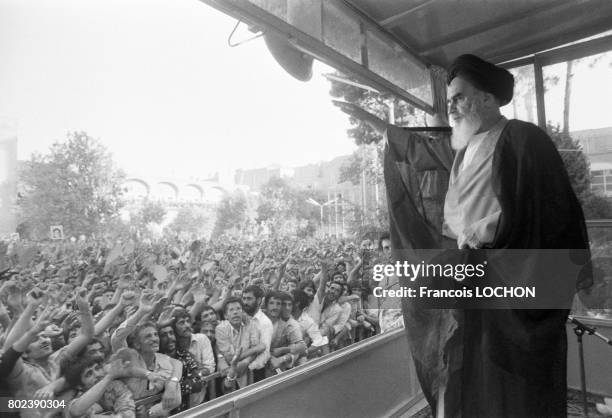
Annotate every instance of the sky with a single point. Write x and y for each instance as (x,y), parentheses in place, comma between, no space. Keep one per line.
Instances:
(156,82)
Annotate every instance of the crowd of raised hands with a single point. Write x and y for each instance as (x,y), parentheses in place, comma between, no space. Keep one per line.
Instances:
(96,326)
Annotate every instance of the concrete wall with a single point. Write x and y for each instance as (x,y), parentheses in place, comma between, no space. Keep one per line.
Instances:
(370,379)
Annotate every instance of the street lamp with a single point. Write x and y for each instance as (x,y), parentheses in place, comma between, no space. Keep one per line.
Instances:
(320,205)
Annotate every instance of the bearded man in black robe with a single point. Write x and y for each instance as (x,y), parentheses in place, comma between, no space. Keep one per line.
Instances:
(494,184)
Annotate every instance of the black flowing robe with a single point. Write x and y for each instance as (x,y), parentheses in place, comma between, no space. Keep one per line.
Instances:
(494,362)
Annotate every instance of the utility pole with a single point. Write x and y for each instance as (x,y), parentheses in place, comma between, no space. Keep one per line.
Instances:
(336,213)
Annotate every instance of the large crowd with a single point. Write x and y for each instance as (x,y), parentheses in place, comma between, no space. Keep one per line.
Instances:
(90,327)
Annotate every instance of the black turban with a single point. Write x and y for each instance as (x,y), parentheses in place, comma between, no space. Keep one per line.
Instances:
(484,76)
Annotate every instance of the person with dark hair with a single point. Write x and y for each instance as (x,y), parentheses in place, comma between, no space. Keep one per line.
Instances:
(198,346)
(236,332)
(144,339)
(191,380)
(23,333)
(98,390)
(308,287)
(291,284)
(495,184)
(252,298)
(385,246)
(317,344)
(39,367)
(287,341)
(209,314)
(95,349)
(333,316)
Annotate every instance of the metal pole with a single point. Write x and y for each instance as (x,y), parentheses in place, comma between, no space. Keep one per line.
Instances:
(342,216)
(336,213)
(363,188)
(321,207)
(579,333)
(328,217)
(376,193)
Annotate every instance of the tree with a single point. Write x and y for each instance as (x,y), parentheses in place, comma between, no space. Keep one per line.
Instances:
(285,207)
(380,104)
(578,169)
(150,213)
(76,185)
(576,162)
(230,213)
(366,161)
(369,224)
(596,206)
(192,220)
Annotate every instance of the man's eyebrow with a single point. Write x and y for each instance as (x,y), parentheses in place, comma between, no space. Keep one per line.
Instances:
(455,96)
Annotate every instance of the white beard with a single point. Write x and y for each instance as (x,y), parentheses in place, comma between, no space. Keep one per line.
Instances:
(464,129)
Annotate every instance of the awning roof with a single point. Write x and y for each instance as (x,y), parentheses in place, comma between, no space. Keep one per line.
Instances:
(392,44)
(498,30)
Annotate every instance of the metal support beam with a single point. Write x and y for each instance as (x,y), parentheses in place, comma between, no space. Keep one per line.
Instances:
(599,26)
(397,19)
(257,16)
(539,87)
(570,52)
(493,24)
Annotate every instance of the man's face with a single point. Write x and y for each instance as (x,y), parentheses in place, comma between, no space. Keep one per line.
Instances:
(291,286)
(208,329)
(40,347)
(92,375)
(183,327)
(250,303)
(234,313)
(237,291)
(209,315)
(74,332)
(310,291)
(95,350)
(334,291)
(286,309)
(338,278)
(465,104)
(273,308)
(167,340)
(148,341)
(386,247)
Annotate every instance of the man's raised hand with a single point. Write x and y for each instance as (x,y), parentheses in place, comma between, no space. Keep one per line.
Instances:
(355,111)
(199,293)
(127,298)
(81,300)
(147,300)
(35,297)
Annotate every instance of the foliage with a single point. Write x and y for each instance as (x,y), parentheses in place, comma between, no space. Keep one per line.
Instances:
(150,213)
(367,225)
(578,169)
(283,206)
(230,213)
(596,206)
(369,160)
(192,220)
(378,104)
(576,162)
(75,185)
